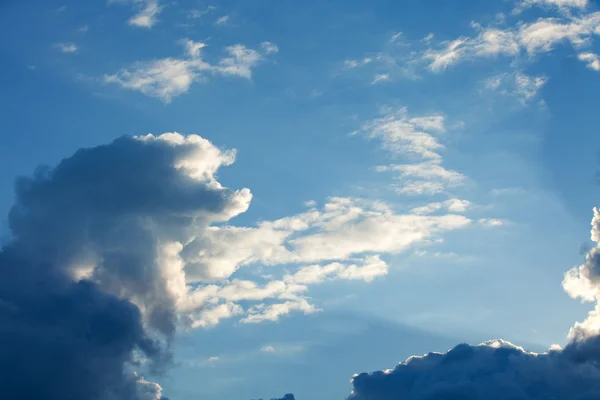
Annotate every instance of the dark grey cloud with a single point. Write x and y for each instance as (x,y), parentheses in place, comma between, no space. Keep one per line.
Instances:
(499,370)
(85,299)
(493,371)
(288,396)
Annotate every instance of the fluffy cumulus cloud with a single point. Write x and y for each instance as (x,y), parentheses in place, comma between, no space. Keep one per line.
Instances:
(88,285)
(170,77)
(501,370)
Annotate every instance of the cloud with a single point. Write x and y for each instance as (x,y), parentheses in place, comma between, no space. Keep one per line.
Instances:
(370,268)
(147,12)
(168,78)
(195,14)
(381,78)
(501,370)
(343,228)
(222,20)
(357,63)
(414,139)
(558,3)
(452,205)
(273,312)
(88,280)
(288,396)
(518,42)
(492,370)
(67,47)
(268,349)
(518,85)
(591,60)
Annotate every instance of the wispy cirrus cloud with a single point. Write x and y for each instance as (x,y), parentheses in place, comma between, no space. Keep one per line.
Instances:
(415,139)
(519,43)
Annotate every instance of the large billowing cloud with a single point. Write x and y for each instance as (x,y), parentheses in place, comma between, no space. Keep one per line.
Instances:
(85,292)
(501,370)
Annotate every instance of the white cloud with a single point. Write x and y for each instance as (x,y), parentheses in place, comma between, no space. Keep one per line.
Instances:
(212,316)
(381,78)
(492,222)
(269,47)
(452,205)
(147,15)
(343,228)
(591,60)
(408,136)
(517,84)
(168,78)
(67,47)
(267,349)
(195,14)
(429,170)
(349,64)
(370,268)
(273,312)
(222,20)
(240,61)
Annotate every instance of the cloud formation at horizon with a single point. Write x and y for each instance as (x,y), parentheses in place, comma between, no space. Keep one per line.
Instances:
(501,370)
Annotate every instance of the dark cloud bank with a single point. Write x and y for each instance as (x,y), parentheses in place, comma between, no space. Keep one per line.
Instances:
(86,310)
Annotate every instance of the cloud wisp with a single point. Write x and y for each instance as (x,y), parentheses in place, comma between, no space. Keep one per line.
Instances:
(146,12)
(415,139)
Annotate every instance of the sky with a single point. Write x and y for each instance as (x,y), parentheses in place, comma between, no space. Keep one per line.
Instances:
(238,200)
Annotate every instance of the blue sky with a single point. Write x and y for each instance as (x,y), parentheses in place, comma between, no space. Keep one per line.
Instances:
(421,173)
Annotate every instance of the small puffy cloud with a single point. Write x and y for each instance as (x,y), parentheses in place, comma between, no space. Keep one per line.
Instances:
(491,222)
(168,78)
(146,12)
(591,60)
(268,349)
(222,20)
(239,61)
(269,47)
(67,47)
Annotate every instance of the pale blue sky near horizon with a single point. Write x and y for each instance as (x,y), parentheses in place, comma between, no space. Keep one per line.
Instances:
(306,112)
